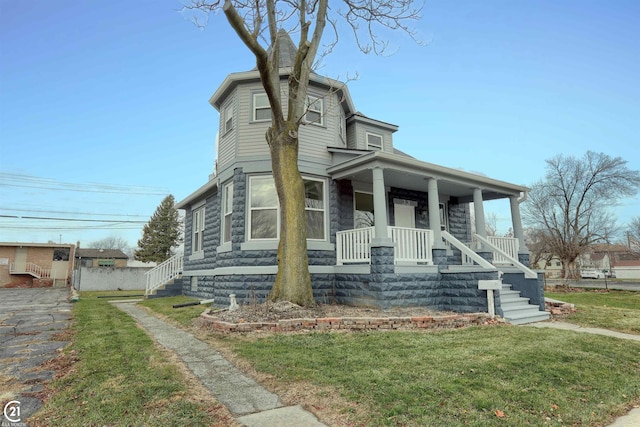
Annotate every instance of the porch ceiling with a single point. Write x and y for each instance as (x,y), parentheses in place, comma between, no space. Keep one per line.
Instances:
(409,173)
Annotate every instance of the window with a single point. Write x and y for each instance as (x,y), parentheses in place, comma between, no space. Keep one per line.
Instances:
(342,128)
(264,211)
(261,107)
(263,208)
(363,216)
(228,118)
(374,141)
(314,208)
(194,284)
(227,208)
(314,110)
(106,262)
(198,230)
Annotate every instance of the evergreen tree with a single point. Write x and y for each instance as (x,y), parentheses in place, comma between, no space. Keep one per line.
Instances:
(161,234)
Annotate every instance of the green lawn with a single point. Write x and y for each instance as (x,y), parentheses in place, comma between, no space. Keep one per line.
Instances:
(615,310)
(183,316)
(120,377)
(482,376)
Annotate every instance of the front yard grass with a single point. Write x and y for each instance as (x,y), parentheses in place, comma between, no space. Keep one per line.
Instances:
(615,310)
(119,377)
(481,376)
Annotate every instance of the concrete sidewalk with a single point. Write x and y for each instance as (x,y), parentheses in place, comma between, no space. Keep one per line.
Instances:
(252,404)
(632,419)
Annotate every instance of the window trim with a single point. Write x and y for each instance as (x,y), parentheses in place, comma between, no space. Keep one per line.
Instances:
(251,209)
(226,210)
(197,234)
(227,118)
(310,100)
(254,107)
(324,206)
(373,146)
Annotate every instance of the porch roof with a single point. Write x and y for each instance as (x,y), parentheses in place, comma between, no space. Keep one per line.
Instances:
(412,174)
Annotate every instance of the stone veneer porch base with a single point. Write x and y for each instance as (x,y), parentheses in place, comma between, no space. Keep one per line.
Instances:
(353,323)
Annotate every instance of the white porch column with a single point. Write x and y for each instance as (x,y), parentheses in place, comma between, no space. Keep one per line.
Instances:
(379,206)
(433,201)
(478,207)
(518,232)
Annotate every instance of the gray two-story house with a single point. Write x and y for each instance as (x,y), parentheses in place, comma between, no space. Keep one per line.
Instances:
(384,228)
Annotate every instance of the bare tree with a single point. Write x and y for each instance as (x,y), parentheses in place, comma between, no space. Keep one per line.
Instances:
(570,207)
(260,25)
(633,234)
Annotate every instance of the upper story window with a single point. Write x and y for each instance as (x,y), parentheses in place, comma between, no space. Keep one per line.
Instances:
(228,118)
(261,107)
(197,241)
(314,110)
(374,141)
(227,209)
(264,209)
(342,126)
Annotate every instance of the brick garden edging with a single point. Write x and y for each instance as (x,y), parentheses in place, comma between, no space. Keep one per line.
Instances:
(352,323)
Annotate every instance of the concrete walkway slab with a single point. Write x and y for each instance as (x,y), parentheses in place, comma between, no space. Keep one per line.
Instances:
(241,394)
(571,327)
(289,416)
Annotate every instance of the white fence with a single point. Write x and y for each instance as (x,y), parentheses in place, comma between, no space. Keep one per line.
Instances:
(412,245)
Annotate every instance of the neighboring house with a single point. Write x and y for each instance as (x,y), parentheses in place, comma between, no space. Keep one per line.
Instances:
(384,228)
(608,257)
(628,269)
(101,258)
(35,264)
(552,266)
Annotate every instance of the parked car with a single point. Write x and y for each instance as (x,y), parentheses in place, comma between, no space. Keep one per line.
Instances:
(609,273)
(591,274)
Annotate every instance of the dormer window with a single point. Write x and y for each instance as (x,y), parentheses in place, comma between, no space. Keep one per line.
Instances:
(374,141)
(228,118)
(261,107)
(314,108)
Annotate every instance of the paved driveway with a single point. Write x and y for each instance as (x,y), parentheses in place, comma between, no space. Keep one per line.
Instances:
(29,320)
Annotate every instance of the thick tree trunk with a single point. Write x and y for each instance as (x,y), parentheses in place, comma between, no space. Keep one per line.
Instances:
(293,281)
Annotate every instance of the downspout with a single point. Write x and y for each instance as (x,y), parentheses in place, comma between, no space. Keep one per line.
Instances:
(524,195)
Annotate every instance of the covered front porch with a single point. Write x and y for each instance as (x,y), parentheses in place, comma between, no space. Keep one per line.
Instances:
(413,240)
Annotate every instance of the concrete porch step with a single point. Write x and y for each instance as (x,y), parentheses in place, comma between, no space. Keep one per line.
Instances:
(172,288)
(517,310)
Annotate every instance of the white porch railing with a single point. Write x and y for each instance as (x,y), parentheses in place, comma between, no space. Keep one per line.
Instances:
(30,268)
(163,273)
(412,245)
(508,249)
(354,246)
(528,273)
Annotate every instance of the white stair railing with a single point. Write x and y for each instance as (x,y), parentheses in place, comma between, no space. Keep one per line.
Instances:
(30,268)
(528,273)
(163,273)
(466,251)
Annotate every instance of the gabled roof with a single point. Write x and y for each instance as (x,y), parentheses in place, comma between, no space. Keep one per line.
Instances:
(101,253)
(288,50)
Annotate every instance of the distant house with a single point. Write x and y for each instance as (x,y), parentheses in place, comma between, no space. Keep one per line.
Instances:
(628,269)
(552,266)
(35,264)
(383,228)
(101,258)
(616,258)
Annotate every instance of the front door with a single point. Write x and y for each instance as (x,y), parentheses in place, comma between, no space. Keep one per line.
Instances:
(21,259)
(405,215)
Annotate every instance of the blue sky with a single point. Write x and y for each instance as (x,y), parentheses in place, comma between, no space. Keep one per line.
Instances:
(104,103)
